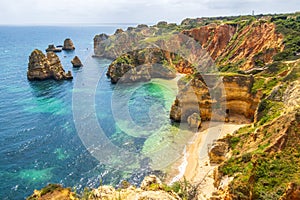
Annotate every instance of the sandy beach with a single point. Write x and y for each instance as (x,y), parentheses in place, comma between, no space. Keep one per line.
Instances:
(194,164)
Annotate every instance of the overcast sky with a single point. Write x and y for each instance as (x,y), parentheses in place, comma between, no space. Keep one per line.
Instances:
(41,12)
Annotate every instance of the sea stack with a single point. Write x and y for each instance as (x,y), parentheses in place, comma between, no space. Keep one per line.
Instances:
(41,67)
(51,47)
(68,45)
(76,62)
(194,120)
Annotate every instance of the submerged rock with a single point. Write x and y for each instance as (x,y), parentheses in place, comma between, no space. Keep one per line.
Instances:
(68,45)
(76,62)
(41,67)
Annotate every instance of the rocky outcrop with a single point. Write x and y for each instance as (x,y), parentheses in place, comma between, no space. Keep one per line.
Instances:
(41,67)
(119,31)
(53,191)
(151,188)
(230,44)
(150,180)
(232,96)
(278,141)
(51,47)
(194,121)
(76,62)
(218,151)
(68,45)
(212,37)
(142,65)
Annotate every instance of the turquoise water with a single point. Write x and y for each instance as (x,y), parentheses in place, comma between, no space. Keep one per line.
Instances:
(39,142)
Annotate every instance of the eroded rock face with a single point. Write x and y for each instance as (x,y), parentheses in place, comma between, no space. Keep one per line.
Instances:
(194,120)
(118,31)
(53,191)
(149,180)
(68,45)
(230,44)
(41,67)
(218,151)
(195,96)
(76,62)
(151,189)
(213,38)
(142,65)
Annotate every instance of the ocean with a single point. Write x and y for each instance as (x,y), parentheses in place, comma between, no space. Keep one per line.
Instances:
(42,139)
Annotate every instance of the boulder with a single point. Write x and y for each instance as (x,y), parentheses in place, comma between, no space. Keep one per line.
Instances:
(68,45)
(218,151)
(194,120)
(51,47)
(76,62)
(41,67)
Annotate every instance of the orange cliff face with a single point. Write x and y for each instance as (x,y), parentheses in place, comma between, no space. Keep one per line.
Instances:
(212,37)
(234,44)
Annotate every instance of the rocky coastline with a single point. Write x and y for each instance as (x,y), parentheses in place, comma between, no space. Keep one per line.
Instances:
(41,67)
(258,156)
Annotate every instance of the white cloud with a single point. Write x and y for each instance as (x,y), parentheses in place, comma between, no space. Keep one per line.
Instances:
(141,11)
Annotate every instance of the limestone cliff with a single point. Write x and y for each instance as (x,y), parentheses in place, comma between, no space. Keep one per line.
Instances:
(262,156)
(241,45)
(41,67)
(142,65)
(232,96)
(151,188)
(235,47)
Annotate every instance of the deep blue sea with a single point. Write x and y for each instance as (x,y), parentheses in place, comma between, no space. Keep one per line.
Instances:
(39,140)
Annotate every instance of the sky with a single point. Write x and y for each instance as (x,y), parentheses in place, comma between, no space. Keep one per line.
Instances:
(45,12)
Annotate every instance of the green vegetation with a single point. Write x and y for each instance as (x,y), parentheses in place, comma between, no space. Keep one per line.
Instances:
(125,59)
(265,174)
(269,110)
(184,189)
(289,27)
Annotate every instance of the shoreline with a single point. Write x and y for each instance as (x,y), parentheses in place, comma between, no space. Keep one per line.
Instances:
(194,163)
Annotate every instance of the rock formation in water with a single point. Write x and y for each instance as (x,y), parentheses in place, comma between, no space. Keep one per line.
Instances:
(68,45)
(227,44)
(41,67)
(142,65)
(259,79)
(52,48)
(76,62)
